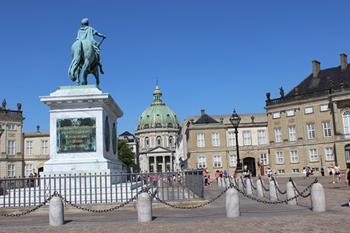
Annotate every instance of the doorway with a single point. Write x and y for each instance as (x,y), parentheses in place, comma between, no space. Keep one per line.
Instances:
(250,163)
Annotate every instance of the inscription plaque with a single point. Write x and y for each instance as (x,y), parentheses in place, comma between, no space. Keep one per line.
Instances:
(75,135)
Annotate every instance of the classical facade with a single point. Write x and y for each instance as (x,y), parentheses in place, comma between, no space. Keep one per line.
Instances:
(157,131)
(11,141)
(36,151)
(210,142)
(310,126)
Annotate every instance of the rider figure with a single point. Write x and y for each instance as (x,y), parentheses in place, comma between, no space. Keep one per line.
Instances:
(87,33)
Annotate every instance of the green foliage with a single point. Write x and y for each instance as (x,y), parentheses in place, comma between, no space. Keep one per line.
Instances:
(125,154)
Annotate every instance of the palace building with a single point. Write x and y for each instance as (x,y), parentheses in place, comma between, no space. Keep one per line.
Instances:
(11,141)
(310,125)
(209,142)
(157,132)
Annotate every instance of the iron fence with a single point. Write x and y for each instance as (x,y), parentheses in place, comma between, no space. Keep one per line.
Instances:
(88,188)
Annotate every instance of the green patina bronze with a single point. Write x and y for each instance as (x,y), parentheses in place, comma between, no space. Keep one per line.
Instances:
(75,135)
(86,55)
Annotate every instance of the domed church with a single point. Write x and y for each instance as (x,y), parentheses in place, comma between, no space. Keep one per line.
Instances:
(157,131)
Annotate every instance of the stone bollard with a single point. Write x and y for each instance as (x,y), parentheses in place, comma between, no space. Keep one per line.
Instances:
(318,199)
(291,193)
(240,184)
(219,182)
(232,203)
(273,193)
(259,188)
(144,207)
(248,187)
(56,212)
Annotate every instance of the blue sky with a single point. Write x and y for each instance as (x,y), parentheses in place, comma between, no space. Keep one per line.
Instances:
(217,55)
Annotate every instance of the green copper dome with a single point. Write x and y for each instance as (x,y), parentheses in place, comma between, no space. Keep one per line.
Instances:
(158,115)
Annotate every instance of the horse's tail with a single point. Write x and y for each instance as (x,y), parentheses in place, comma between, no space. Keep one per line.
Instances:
(74,68)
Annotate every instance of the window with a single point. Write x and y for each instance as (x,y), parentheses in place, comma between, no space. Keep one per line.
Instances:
(310,131)
(327,131)
(346,123)
(295,170)
(328,152)
(308,110)
(11,147)
(11,127)
(324,108)
(146,142)
(170,140)
(11,170)
(159,141)
(231,139)
(264,159)
(294,157)
(280,171)
(28,168)
(201,162)
(347,155)
(200,140)
(279,157)
(217,161)
(276,115)
(247,137)
(215,139)
(233,160)
(44,147)
(261,136)
(290,112)
(292,133)
(313,155)
(278,135)
(29,147)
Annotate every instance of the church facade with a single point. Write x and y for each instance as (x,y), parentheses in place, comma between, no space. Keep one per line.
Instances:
(156,133)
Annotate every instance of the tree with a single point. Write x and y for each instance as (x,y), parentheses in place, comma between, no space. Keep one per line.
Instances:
(125,154)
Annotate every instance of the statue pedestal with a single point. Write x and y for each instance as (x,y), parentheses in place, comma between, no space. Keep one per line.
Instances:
(83,132)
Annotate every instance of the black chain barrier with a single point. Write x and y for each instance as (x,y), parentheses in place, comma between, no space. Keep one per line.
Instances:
(194,206)
(263,185)
(114,208)
(278,188)
(297,190)
(28,211)
(251,183)
(243,183)
(273,202)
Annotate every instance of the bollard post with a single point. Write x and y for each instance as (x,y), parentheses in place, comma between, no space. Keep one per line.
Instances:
(240,184)
(273,194)
(56,212)
(259,188)
(291,193)
(219,182)
(232,203)
(144,207)
(248,187)
(318,199)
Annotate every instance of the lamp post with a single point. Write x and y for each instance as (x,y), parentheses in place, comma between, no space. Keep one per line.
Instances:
(235,119)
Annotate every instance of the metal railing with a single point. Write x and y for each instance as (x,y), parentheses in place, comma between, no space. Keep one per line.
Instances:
(87,188)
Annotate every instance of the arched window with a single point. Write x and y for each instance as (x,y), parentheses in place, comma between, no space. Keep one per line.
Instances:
(146,126)
(159,141)
(346,123)
(158,125)
(146,141)
(170,125)
(171,141)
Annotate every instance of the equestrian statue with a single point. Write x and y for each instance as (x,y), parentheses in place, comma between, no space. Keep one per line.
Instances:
(86,55)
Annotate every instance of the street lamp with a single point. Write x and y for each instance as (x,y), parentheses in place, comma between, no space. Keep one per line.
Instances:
(235,119)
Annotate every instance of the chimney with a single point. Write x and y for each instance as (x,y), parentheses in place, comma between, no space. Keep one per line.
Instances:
(315,68)
(343,61)
(202,112)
